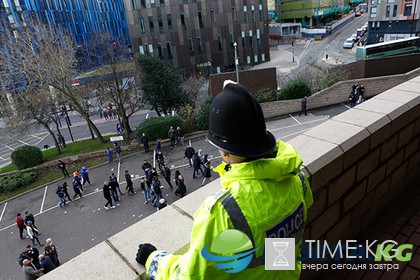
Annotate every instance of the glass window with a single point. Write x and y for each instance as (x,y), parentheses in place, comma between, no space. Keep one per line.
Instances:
(379,2)
(152,3)
(248,59)
(142,27)
(143,3)
(258,38)
(263,57)
(373,12)
(200,19)
(169,21)
(219,42)
(243,40)
(251,41)
(184,26)
(254,19)
(160,51)
(234,14)
(372,2)
(256,58)
(245,14)
(150,48)
(169,49)
(151,25)
(388,10)
(407,9)
(260,8)
(141,49)
(394,12)
(190,44)
(160,22)
(185,1)
(213,16)
(390,1)
(162,3)
(133,5)
(199,45)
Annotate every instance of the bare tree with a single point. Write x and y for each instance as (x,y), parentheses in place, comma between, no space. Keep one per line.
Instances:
(192,88)
(41,56)
(119,83)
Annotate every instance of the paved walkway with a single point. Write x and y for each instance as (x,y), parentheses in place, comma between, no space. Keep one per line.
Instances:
(399,222)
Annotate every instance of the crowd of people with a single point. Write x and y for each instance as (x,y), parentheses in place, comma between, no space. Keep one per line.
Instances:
(357,95)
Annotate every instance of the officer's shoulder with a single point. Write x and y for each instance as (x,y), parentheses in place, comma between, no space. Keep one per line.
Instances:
(211,200)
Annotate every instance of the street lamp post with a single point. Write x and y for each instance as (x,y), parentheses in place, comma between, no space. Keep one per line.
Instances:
(236,62)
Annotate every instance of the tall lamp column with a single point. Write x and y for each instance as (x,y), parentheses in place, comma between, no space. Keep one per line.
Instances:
(236,62)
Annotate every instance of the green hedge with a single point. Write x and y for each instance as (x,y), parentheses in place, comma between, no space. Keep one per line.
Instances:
(296,88)
(266,95)
(16,181)
(26,156)
(157,127)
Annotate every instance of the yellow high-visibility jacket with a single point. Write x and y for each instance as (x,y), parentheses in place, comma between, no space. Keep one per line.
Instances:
(268,191)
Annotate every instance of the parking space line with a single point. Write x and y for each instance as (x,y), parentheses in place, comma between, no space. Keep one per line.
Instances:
(42,139)
(293,125)
(2,212)
(346,105)
(294,118)
(294,133)
(43,199)
(9,147)
(23,142)
(34,136)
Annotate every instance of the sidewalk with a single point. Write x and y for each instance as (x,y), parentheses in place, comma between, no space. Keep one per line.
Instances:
(399,222)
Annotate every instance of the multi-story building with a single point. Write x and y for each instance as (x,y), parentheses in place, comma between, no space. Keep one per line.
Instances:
(391,19)
(198,35)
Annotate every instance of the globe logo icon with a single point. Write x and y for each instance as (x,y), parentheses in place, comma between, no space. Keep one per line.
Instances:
(231,250)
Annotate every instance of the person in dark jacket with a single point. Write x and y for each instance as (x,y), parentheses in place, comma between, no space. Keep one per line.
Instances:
(65,189)
(62,167)
(303,106)
(60,194)
(129,188)
(179,180)
(156,190)
(113,185)
(107,194)
(145,141)
(46,263)
(189,153)
(33,254)
(197,165)
(166,172)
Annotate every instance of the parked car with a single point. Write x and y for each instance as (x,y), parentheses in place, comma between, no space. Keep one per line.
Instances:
(348,43)
(357,14)
(354,37)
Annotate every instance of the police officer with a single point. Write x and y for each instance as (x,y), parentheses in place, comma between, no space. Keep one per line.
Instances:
(263,195)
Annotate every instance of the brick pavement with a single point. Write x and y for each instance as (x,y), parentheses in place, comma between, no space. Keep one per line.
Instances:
(399,222)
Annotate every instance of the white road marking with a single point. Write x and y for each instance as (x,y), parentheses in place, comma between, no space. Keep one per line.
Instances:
(43,199)
(9,147)
(23,142)
(294,133)
(293,125)
(2,212)
(294,118)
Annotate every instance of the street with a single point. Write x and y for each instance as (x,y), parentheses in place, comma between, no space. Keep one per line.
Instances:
(84,223)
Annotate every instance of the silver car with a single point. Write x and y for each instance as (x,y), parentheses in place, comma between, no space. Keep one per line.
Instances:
(348,43)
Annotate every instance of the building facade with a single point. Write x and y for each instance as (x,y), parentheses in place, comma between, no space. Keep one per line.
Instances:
(392,19)
(198,36)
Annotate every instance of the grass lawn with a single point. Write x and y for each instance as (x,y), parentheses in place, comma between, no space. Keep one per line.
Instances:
(72,149)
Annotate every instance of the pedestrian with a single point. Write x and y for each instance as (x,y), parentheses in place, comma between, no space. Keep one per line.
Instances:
(180,136)
(146,167)
(207,172)
(33,254)
(109,155)
(158,147)
(160,159)
(105,115)
(107,194)
(62,167)
(113,185)
(145,190)
(65,189)
(31,234)
(117,150)
(129,189)
(46,263)
(172,136)
(189,153)
(303,106)
(180,183)
(362,90)
(197,165)
(156,190)
(355,88)
(23,256)
(100,111)
(353,99)
(51,251)
(166,172)
(76,188)
(145,141)
(114,178)
(118,127)
(31,272)
(257,197)
(30,218)
(85,175)
(20,223)
(60,194)
(78,179)
(162,204)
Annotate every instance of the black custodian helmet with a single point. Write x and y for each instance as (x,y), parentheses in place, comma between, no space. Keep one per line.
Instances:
(237,124)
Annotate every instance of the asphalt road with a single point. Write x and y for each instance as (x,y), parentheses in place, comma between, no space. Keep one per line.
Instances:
(82,224)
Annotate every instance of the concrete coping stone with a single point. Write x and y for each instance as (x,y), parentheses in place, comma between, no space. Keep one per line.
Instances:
(343,134)
(392,109)
(370,120)
(403,95)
